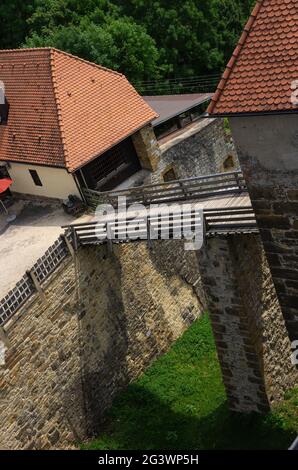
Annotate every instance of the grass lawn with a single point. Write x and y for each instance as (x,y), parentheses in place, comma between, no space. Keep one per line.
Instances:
(180,403)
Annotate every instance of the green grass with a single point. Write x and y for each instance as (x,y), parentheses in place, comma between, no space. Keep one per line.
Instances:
(180,403)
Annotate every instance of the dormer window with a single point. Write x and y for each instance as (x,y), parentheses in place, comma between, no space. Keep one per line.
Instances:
(3,105)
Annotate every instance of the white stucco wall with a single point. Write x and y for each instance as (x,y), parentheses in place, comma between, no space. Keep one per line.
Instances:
(56,182)
(270,140)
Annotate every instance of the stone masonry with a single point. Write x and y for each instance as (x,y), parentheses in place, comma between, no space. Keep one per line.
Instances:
(268,149)
(107,316)
(252,343)
(103,322)
(200,149)
(147,148)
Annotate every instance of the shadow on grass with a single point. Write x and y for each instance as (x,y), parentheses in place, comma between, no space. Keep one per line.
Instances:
(138,420)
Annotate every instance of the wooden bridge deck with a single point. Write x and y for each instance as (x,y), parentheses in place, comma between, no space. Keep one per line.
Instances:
(213,204)
(219,216)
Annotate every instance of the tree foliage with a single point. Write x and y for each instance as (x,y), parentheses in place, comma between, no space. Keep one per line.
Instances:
(145,39)
(13,22)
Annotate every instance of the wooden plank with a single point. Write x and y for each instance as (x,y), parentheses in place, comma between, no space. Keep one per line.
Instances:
(36,284)
(162,184)
(68,245)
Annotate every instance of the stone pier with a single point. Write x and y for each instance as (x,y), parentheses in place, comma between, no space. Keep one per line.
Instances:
(252,343)
(268,152)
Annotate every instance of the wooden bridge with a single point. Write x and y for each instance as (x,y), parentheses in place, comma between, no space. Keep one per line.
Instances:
(190,189)
(212,205)
(222,207)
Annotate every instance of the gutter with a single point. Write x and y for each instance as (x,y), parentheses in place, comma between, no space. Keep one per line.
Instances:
(256,113)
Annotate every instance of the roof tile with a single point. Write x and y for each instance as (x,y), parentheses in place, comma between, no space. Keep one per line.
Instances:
(259,75)
(65,111)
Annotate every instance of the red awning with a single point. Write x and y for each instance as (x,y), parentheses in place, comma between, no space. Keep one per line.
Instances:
(4,184)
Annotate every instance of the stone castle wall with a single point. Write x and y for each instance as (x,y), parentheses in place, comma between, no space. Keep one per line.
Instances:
(102,324)
(252,342)
(268,148)
(107,316)
(201,149)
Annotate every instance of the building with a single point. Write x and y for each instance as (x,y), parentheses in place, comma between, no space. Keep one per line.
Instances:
(259,94)
(176,111)
(67,124)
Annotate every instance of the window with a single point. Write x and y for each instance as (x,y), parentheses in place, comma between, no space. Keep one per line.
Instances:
(229,164)
(35,177)
(169,175)
(3,105)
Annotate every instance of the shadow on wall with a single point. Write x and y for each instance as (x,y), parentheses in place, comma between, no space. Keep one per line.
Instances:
(131,309)
(103,342)
(252,342)
(264,316)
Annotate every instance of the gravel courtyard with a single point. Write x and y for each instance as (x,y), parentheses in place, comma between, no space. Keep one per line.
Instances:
(23,241)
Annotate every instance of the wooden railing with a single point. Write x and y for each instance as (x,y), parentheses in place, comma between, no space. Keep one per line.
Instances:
(35,277)
(175,191)
(211,222)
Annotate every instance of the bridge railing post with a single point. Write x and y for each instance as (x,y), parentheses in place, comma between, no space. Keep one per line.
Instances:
(149,241)
(74,237)
(109,237)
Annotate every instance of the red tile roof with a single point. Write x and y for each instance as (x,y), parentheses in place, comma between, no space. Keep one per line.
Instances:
(259,76)
(65,111)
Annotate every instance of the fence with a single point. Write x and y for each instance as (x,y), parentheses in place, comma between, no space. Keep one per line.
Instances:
(174,191)
(41,270)
(215,221)
(153,225)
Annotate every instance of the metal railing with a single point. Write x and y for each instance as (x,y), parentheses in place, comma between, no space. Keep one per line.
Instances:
(182,85)
(190,189)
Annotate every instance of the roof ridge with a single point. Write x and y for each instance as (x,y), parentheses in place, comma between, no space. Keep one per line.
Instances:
(235,55)
(101,67)
(26,49)
(49,48)
(58,106)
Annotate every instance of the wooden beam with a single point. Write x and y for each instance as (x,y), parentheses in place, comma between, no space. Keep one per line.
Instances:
(69,245)
(37,284)
(109,238)
(149,241)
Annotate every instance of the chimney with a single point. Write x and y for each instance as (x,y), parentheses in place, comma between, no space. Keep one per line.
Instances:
(3,104)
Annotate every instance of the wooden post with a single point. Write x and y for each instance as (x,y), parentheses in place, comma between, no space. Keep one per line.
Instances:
(74,238)
(149,241)
(204,227)
(183,189)
(238,181)
(109,238)
(37,285)
(69,245)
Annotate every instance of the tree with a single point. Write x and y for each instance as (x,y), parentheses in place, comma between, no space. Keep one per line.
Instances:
(182,31)
(49,14)
(194,36)
(119,44)
(13,22)
(145,39)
